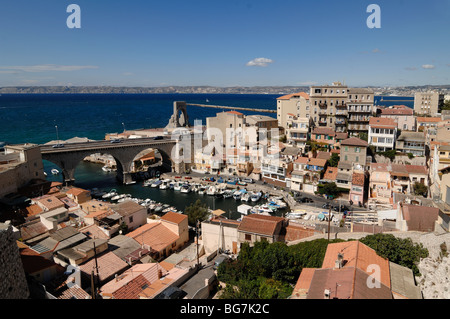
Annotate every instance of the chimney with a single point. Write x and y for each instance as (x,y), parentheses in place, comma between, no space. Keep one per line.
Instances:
(339,263)
(326,294)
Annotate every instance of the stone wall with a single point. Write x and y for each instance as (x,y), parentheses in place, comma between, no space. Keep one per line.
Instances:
(13,284)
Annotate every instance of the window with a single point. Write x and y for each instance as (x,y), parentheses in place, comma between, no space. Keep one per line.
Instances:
(357,150)
(130,219)
(357,158)
(346,158)
(248,237)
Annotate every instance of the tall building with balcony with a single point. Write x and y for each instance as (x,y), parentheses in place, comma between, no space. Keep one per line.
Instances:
(297,132)
(360,108)
(382,133)
(325,101)
(428,103)
(296,104)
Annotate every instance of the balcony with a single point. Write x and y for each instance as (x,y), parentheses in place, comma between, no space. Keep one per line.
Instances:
(341,105)
(357,110)
(323,113)
(325,105)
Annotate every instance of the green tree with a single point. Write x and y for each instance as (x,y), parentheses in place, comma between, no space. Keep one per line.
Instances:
(420,189)
(197,211)
(397,250)
(333,161)
(363,136)
(329,189)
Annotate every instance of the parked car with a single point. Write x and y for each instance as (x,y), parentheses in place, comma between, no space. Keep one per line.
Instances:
(248,180)
(58,145)
(219,260)
(116,140)
(158,138)
(326,205)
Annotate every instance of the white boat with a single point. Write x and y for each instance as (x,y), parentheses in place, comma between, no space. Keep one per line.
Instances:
(148,182)
(164,185)
(177,186)
(245,197)
(54,171)
(237,195)
(112,193)
(156,183)
(106,169)
(201,190)
(256,197)
(244,209)
(186,188)
(45,173)
(295,214)
(211,191)
(227,194)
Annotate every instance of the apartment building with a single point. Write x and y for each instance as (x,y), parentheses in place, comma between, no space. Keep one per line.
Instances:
(382,133)
(360,108)
(411,142)
(296,104)
(428,103)
(297,132)
(403,115)
(325,102)
(354,151)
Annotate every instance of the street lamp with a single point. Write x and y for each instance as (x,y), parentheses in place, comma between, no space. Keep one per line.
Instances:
(57,136)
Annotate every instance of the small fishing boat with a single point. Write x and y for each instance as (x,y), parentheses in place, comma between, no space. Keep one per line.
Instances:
(186,188)
(156,183)
(54,171)
(211,191)
(237,195)
(256,197)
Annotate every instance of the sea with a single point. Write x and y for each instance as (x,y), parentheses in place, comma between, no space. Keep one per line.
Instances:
(40,118)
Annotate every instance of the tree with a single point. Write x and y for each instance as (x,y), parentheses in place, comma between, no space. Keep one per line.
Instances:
(400,251)
(333,161)
(329,189)
(446,105)
(363,136)
(197,211)
(420,189)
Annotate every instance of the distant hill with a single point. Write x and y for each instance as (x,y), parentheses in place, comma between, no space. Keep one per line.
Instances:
(401,91)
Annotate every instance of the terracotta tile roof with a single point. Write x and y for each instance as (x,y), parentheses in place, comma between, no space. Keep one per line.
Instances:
(93,231)
(341,136)
(398,111)
(33,210)
(420,218)
(33,262)
(428,119)
(108,265)
(289,96)
(260,224)
(155,235)
(380,167)
(324,131)
(76,191)
(345,283)
(303,282)
(127,208)
(235,112)
(331,173)
(73,292)
(382,122)
(301,160)
(50,202)
(416,169)
(296,232)
(323,155)
(354,141)
(356,254)
(174,217)
(317,162)
(358,179)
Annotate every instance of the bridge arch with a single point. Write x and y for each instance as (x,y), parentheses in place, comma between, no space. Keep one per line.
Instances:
(68,157)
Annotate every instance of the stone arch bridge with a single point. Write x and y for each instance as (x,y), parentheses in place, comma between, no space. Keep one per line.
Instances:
(124,152)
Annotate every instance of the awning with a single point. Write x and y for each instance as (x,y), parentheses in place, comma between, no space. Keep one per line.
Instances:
(218,212)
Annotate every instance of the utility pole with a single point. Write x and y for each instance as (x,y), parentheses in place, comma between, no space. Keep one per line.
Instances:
(329,219)
(197,242)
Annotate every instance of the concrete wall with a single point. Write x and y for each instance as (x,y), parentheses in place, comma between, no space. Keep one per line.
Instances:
(213,237)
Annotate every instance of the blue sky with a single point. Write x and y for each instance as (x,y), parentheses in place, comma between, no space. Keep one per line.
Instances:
(196,42)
